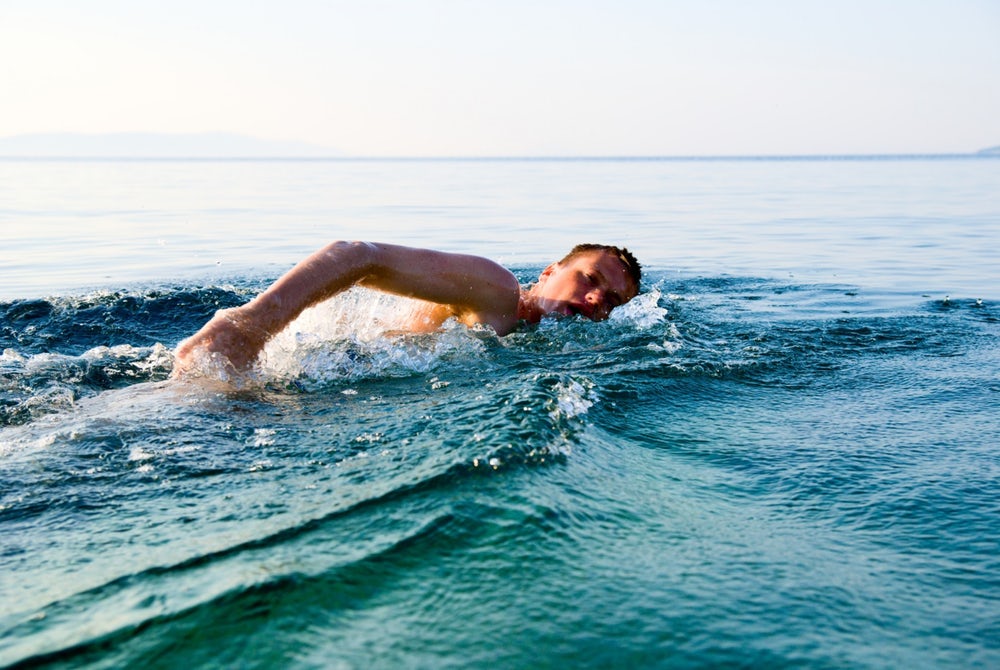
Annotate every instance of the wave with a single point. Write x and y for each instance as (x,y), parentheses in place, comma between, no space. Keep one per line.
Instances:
(57,351)
(366,463)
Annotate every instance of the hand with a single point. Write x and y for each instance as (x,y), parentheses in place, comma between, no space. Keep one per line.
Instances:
(228,334)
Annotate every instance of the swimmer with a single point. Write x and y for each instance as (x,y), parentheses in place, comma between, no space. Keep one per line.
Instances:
(591,280)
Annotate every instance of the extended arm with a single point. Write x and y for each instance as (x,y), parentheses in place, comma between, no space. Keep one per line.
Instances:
(471,288)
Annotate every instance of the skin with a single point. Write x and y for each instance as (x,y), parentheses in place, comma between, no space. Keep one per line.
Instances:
(591,284)
(471,289)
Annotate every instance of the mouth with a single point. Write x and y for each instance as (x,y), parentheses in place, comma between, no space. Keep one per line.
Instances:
(566,308)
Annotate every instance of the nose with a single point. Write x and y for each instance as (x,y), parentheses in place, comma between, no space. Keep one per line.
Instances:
(599,307)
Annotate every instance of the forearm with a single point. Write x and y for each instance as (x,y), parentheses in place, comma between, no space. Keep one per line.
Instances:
(239,334)
(325,273)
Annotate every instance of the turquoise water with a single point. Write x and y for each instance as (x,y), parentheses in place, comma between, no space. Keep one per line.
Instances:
(783,454)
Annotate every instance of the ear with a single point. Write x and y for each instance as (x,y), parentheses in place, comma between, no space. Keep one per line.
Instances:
(547,271)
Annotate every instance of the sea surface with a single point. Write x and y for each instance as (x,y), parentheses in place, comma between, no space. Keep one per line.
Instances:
(784,454)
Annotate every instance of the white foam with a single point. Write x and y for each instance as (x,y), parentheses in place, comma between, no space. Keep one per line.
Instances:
(139,454)
(263,437)
(361,334)
(642,312)
(11,359)
(573,398)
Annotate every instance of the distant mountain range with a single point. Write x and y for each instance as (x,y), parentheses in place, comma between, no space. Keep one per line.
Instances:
(155,145)
(991,150)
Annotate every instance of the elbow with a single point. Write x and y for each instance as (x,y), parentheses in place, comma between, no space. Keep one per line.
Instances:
(340,248)
(351,256)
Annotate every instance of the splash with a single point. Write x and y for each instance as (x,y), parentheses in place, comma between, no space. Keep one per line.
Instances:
(573,398)
(363,334)
(642,312)
(39,384)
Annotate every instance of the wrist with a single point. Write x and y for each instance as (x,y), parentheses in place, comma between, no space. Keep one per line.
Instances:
(264,314)
(246,322)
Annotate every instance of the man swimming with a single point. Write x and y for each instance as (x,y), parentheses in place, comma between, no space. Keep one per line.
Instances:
(591,280)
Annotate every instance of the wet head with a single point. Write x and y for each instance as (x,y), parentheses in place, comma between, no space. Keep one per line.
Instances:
(591,280)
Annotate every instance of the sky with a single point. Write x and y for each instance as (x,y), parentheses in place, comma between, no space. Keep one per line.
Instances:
(514,77)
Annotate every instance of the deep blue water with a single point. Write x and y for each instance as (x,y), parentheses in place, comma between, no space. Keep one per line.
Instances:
(783,454)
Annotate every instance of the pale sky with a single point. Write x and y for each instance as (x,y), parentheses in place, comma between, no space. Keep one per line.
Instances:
(514,77)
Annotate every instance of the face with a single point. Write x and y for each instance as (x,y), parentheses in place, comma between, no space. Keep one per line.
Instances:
(591,284)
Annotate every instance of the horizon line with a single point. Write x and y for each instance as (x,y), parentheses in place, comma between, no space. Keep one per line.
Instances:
(982,154)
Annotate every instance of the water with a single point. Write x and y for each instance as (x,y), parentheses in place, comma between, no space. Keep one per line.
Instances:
(783,454)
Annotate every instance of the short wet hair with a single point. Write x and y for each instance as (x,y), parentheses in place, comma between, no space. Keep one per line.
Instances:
(621,253)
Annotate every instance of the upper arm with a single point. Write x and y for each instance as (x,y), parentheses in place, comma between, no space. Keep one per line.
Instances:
(474,288)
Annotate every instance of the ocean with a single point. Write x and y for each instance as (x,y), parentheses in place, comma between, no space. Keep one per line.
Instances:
(785,453)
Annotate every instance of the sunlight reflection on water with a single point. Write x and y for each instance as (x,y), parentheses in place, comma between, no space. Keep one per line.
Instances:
(918,225)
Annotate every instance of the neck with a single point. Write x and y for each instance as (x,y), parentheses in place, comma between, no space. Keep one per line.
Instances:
(528,308)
